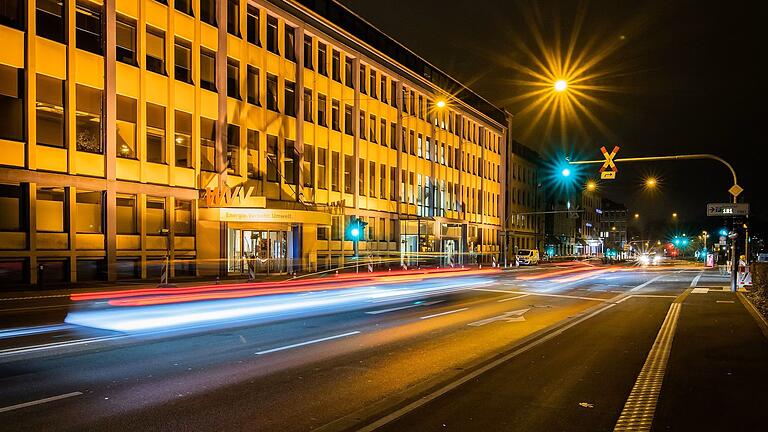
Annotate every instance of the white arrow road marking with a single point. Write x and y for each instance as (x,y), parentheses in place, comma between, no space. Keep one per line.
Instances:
(511,316)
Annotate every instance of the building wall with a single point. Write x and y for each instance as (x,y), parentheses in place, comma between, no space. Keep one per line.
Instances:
(525,223)
(131,137)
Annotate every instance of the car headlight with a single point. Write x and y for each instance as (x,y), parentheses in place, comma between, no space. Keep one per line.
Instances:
(644,259)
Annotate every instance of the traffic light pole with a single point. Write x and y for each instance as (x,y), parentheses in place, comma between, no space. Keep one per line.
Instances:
(734,258)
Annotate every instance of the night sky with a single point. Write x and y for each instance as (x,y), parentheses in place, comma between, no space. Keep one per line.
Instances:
(683,77)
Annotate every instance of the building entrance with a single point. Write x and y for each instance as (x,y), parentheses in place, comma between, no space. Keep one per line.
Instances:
(257,251)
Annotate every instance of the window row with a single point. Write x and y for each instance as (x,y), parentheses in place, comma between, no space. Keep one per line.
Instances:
(52,212)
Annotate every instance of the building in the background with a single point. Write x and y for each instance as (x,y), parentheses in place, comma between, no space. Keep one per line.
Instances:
(525,221)
(613,227)
(560,226)
(237,137)
(589,242)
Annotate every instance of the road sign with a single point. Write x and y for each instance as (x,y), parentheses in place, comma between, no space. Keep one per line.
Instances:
(727,209)
(721,240)
(736,190)
(608,175)
(608,162)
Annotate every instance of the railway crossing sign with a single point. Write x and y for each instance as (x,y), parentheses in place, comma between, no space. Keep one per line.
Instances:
(608,170)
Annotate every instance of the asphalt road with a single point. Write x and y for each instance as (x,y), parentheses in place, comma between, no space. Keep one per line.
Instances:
(560,341)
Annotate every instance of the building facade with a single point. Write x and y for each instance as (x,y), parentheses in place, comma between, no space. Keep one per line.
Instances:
(234,137)
(614,227)
(525,221)
(589,242)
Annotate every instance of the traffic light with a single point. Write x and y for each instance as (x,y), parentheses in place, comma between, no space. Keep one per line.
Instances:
(723,232)
(356,229)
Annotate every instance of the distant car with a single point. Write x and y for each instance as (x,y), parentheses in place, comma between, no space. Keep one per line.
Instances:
(528,256)
(649,259)
(762,257)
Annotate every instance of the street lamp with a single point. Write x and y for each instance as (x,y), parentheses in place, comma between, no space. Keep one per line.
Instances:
(651,182)
(565,172)
(637,215)
(440,103)
(591,185)
(561,85)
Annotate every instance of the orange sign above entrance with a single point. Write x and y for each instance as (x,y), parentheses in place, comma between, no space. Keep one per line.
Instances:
(238,196)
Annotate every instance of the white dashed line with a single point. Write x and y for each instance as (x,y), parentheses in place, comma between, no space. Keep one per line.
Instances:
(513,298)
(443,313)
(39,401)
(314,341)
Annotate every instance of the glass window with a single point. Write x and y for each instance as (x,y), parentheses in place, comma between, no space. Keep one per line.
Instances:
(322,106)
(50,111)
(348,122)
(208,11)
(308,52)
(12,117)
(290,43)
(155,51)
(155,133)
(393,136)
(51,209)
(392,185)
(335,160)
(308,166)
(383,89)
(361,80)
(254,163)
(272,92)
(372,84)
(308,110)
(254,96)
(233,17)
(272,158)
(88,27)
(91,269)
(335,115)
(233,78)
(50,19)
(349,165)
(184,6)
(272,34)
(322,168)
(233,149)
(336,66)
(155,215)
(371,179)
(88,119)
(126,214)
(383,132)
(126,40)
(322,58)
(183,57)
(290,162)
(182,217)
(348,75)
(10,207)
(126,127)
(336,228)
(372,126)
(383,181)
(254,25)
(89,211)
(290,98)
(207,144)
(207,70)
(182,140)
(393,93)
(361,129)
(12,13)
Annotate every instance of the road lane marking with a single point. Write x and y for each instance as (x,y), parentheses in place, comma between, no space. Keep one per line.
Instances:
(511,316)
(443,313)
(700,291)
(33,297)
(39,401)
(695,280)
(27,331)
(381,311)
(310,342)
(725,301)
(640,407)
(34,348)
(542,294)
(645,284)
(477,372)
(512,298)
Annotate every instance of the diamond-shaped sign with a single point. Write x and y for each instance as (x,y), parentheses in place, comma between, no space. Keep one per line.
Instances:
(736,190)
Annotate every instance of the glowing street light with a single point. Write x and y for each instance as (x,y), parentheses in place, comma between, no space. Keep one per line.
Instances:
(561,85)
(440,103)
(637,215)
(651,182)
(591,185)
(674,215)
(565,172)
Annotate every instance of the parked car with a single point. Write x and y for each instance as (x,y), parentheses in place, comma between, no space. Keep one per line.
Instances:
(528,256)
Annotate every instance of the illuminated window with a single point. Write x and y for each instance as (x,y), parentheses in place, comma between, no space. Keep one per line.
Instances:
(126,214)
(308,166)
(88,119)
(51,209)
(207,144)
(155,51)
(207,70)
(126,40)
(335,171)
(11,103)
(322,106)
(89,211)
(156,133)
(349,165)
(254,162)
(126,127)
(50,111)
(290,162)
(233,149)
(155,215)
(254,95)
(308,110)
(183,57)
(11,204)
(182,139)
(322,167)
(372,84)
(348,122)
(272,160)
(335,115)
(183,222)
